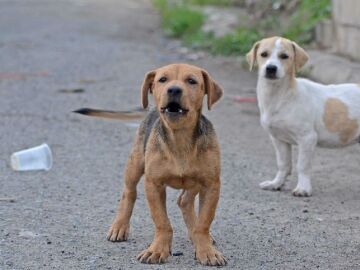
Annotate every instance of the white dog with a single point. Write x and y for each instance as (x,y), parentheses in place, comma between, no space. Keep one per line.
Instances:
(299,111)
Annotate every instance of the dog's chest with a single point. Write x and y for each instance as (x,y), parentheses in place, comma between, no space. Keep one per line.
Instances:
(272,122)
(178,172)
(278,126)
(182,173)
(274,114)
(182,166)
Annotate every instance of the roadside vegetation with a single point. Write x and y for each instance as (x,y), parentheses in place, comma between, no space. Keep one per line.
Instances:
(296,19)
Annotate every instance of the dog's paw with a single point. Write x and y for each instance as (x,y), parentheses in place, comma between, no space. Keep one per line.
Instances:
(118,232)
(154,255)
(210,256)
(271,185)
(302,192)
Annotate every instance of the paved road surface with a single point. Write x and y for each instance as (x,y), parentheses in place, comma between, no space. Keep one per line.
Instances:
(60,218)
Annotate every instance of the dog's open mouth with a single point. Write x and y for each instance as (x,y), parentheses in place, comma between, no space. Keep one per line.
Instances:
(271,76)
(174,108)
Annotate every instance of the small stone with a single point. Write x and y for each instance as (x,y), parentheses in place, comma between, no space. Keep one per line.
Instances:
(178,253)
(28,234)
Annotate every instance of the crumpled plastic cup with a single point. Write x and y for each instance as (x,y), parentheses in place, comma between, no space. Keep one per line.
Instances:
(32,159)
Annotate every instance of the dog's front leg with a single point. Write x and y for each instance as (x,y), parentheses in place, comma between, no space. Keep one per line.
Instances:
(205,251)
(283,159)
(160,248)
(119,229)
(306,151)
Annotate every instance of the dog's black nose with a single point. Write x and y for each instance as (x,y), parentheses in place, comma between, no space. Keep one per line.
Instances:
(174,91)
(271,69)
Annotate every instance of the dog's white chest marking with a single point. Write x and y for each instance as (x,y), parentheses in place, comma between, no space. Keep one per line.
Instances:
(277,126)
(270,121)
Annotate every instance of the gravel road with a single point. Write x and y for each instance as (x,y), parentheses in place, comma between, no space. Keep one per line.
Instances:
(59,218)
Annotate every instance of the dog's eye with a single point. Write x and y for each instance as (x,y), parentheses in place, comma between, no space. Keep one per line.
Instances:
(191,81)
(264,54)
(284,56)
(162,79)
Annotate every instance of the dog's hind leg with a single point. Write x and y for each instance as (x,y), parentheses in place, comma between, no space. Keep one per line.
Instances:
(119,229)
(306,152)
(186,204)
(201,203)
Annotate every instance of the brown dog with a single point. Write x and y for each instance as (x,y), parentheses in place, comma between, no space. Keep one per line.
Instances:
(175,146)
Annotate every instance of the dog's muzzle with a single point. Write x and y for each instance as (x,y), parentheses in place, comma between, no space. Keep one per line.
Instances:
(270,72)
(173,107)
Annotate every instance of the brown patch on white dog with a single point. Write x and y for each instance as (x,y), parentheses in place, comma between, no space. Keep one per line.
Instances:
(336,120)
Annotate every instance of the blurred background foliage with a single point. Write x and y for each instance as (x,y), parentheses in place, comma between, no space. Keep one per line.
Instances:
(294,19)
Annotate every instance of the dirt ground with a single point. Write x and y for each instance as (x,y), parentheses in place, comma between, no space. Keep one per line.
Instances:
(60,218)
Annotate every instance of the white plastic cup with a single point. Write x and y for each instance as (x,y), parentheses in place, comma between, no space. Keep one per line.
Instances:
(36,158)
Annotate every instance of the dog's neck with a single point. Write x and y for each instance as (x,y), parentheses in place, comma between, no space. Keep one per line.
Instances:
(271,93)
(181,140)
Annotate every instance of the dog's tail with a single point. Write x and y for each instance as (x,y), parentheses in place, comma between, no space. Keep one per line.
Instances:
(119,115)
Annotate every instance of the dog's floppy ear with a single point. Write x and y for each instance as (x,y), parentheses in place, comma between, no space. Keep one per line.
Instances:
(212,89)
(300,56)
(147,87)
(251,56)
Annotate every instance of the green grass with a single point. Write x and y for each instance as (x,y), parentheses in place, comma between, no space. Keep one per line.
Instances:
(215,2)
(237,43)
(180,20)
